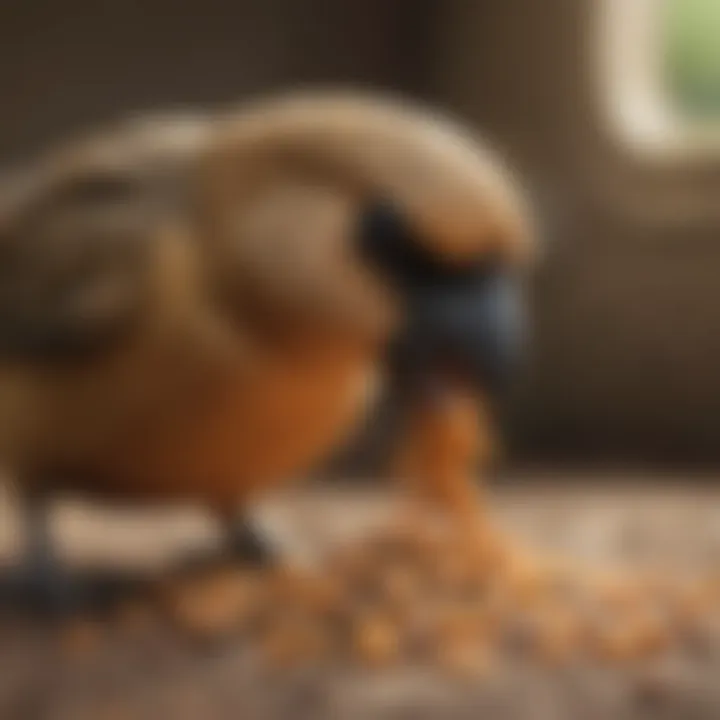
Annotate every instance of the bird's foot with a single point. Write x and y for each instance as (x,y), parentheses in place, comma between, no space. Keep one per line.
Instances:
(247,545)
(242,545)
(56,593)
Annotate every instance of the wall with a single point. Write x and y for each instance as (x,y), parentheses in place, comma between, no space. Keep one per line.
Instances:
(68,64)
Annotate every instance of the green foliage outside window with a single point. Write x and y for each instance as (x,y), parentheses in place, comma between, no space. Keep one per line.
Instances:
(692,56)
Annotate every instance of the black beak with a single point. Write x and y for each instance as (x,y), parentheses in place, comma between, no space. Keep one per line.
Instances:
(472,326)
(466,320)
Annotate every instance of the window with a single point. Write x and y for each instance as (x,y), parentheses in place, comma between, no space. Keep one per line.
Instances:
(659,73)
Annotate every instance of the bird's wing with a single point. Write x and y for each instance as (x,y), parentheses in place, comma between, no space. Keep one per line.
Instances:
(77,229)
(73,250)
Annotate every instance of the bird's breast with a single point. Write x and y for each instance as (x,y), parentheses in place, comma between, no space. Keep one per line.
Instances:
(224,437)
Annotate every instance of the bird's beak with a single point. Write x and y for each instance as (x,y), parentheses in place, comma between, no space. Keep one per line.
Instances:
(473,326)
(468,320)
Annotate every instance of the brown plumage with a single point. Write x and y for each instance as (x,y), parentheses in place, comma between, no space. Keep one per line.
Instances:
(183,313)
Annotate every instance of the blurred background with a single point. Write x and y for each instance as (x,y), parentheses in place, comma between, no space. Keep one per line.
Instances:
(610,109)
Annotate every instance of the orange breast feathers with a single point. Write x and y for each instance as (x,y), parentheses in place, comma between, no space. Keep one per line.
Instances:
(247,432)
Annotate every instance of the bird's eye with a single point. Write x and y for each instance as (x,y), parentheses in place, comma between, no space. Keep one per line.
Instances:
(387,241)
(381,235)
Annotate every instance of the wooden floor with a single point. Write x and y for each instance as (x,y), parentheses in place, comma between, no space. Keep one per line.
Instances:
(603,520)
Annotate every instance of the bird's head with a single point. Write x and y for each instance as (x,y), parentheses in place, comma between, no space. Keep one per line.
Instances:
(427,210)
(454,243)
(462,317)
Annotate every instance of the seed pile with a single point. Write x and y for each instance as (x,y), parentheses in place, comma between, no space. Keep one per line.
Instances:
(424,592)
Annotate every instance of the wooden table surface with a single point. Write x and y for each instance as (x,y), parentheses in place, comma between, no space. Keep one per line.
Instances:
(604,520)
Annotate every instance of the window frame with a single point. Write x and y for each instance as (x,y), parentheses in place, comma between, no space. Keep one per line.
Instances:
(633,105)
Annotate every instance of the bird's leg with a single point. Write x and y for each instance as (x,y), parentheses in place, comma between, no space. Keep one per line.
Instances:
(246,543)
(43,584)
(39,582)
(242,541)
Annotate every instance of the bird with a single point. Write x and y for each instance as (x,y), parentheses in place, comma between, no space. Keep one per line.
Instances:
(196,308)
